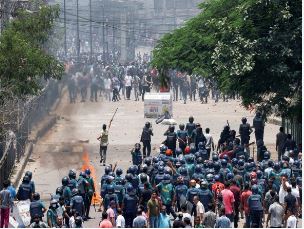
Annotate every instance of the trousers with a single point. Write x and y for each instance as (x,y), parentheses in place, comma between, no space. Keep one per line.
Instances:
(4,217)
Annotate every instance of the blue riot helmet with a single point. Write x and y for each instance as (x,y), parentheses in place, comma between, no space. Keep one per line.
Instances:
(119,171)
(215,158)
(29,174)
(168,170)
(178,151)
(148,161)
(130,188)
(277,166)
(82,174)
(161,163)
(226,157)
(144,169)
(198,169)
(88,171)
(128,177)
(59,191)
(167,179)
(199,160)
(250,159)
(134,169)
(178,164)
(112,174)
(204,184)
(217,178)
(200,145)
(234,162)
(163,149)
(242,157)
(182,161)
(210,164)
(217,166)
(197,154)
(224,163)
(209,177)
(255,189)
(183,171)
(107,170)
(143,178)
(266,155)
(72,174)
(229,176)
(270,164)
(161,169)
(155,160)
(259,174)
(65,181)
(26,179)
(241,163)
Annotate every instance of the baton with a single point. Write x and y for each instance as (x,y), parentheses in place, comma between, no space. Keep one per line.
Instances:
(112,118)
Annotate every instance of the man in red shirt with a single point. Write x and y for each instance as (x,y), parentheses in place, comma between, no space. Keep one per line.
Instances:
(244,203)
(237,196)
(105,223)
(228,200)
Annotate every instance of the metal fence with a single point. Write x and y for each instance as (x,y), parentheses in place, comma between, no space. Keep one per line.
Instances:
(7,161)
(30,112)
(293,127)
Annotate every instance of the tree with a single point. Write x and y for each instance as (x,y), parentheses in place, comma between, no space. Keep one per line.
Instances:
(246,46)
(24,58)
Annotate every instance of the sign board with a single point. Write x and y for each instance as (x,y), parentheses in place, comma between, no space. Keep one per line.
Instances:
(21,213)
(156,104)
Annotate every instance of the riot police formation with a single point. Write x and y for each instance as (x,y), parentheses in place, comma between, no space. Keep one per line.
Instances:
(182,178)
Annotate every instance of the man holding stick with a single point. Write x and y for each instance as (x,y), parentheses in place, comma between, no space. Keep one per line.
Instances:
(104,141)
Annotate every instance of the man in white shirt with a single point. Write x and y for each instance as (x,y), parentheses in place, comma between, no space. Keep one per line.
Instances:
(128,85)
(291,221)
(120,221)
(107,86)
(200,210)
(276,214)
(283,189)
(209,142)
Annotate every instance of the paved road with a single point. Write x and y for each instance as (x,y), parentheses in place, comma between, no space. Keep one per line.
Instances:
(62,148)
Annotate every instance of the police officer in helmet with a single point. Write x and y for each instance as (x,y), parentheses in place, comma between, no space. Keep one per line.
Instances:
(25,190)
(37,207)
(146,139)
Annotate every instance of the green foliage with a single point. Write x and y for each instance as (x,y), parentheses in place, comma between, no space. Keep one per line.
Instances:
(247,46)
(24,58)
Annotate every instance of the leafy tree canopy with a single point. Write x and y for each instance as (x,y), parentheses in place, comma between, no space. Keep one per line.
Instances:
(246,46)
(24,57)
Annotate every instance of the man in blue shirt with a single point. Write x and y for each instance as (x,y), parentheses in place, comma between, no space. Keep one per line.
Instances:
(164,220)
(223,221)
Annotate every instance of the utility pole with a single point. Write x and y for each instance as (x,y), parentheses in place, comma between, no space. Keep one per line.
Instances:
(77,31)
(91,40)
(174,13)
(64,18)
(103,31)
(4,13)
